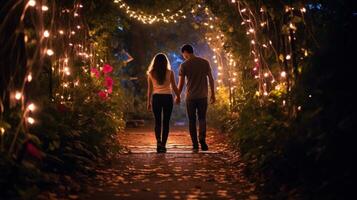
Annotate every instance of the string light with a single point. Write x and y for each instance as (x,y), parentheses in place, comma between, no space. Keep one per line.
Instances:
(50,52)
(167,17)
(30,120)
(46,34)
(44,8)
(31,107)
(283,74)
(2,131)
(66,71)
(18,95)
(32,3)
(29,77)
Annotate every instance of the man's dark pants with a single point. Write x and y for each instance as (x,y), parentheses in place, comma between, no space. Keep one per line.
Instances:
(199,107)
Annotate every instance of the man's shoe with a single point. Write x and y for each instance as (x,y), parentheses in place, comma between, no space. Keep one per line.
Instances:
(204,147)
(163,149)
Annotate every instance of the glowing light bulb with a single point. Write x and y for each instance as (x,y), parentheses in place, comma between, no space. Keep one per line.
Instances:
(283,74)
(265,93)
(251,30)
(29,77)
(61,32)
(50,52)
(32,3)
(292,26)
(288,57)
(46,34)
(2,131)
(31,107)
(44,8)
(30,120)
(266,75)
(18,95)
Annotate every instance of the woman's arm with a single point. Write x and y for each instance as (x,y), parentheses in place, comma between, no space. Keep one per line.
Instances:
(149,94)
(173,85)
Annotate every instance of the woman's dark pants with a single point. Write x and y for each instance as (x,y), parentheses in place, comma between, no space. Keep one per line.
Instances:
(162,105)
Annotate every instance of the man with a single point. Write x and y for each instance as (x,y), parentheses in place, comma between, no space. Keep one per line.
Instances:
(196,70)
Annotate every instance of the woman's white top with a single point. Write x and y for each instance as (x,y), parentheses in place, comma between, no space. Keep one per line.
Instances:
(165,88)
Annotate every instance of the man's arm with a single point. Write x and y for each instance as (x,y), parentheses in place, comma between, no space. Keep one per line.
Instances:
(181,83)
(211,84)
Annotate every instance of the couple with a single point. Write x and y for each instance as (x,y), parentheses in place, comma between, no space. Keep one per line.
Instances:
(161,84)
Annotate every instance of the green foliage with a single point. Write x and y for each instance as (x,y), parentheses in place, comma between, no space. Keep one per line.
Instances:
(222,106)
(300,153)
(73,136)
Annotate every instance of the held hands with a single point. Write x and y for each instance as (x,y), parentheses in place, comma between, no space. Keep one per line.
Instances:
(178,100)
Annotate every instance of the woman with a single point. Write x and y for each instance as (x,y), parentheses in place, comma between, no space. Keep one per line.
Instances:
(161,82)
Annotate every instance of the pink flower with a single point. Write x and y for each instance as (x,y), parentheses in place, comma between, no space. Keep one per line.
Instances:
(103,95)
(95,72)
(33,150)
(107,69)
(110,90)
(109,82)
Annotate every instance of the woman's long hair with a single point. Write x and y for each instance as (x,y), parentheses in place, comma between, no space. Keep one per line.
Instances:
(158,68)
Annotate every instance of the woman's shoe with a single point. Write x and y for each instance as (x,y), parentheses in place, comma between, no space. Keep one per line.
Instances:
(158,147)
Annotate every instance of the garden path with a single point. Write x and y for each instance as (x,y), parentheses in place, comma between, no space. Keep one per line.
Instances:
(141,173)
